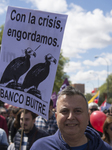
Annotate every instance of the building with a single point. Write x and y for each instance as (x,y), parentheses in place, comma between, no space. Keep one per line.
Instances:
(80,87)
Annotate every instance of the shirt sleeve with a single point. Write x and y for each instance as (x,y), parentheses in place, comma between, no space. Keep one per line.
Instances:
(4,138)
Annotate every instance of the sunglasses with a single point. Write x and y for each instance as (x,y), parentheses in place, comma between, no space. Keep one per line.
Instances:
(3,113)
(93,109)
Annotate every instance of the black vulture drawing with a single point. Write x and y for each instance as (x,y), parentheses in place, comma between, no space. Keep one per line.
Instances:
(37,74)
(16,68)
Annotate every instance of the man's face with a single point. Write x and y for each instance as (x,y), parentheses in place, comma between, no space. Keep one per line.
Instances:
(28,122)
(4,114)
(72,115)
(92,109)
(110,112)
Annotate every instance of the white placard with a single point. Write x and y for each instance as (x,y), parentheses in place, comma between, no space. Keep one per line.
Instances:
(30,52)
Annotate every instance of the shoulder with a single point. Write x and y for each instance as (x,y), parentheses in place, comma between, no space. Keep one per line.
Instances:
(107,146)
(42,132)
(2,133)
(2,118)
(45,143)
(19,131)
(39,118)
(1,130)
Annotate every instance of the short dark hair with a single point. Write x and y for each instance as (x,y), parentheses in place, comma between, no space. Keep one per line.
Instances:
(70,91)
(32,113)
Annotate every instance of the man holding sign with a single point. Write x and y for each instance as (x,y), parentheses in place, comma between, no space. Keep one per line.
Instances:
(30,133)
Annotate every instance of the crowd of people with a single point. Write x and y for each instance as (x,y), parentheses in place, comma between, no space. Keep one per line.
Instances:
(68,128)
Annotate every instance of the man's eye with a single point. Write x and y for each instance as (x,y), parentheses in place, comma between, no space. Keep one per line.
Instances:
(64,111)
(78,111)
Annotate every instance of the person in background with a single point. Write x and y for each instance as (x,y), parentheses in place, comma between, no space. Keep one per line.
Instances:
(106,112)
(110,111)
(91,108)
(3,140)
(3,124)
(12,129)
(72,119)
(50,125)
(30,132)
(107,130)
(3,112)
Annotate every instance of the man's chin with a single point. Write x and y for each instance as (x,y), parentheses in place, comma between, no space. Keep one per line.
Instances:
(26,130)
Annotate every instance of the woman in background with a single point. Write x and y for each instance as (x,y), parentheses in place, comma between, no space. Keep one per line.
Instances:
(107,130)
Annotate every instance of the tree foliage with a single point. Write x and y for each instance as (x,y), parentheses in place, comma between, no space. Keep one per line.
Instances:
(88,96)
(1,33)
(106,89)
(60,74)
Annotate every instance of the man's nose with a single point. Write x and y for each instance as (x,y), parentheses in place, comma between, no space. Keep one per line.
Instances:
(71,115)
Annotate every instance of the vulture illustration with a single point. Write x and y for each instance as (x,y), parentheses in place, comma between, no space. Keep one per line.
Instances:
(37,74)
(17,67)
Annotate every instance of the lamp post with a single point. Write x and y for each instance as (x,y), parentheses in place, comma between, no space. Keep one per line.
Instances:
(107,74)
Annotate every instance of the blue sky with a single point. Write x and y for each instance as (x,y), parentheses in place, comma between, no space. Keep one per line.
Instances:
(88,33)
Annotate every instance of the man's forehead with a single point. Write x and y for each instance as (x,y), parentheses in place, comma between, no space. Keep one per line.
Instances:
(69,96)
(25,114)
(65,99)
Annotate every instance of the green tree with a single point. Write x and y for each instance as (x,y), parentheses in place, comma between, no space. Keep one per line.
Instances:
(88,96)
(103,90)
(1,33)
(60,74)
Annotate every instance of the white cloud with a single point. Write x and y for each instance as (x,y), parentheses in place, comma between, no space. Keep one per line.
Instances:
(50,5)
(103,59)
(86,30)
(91,79)
(72,67)
(83,77)
(90,63)
(3,6)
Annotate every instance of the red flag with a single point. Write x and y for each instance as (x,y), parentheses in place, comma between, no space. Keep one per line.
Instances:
(93,91)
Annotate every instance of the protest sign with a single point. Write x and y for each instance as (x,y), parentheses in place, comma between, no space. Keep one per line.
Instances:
(30,52)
